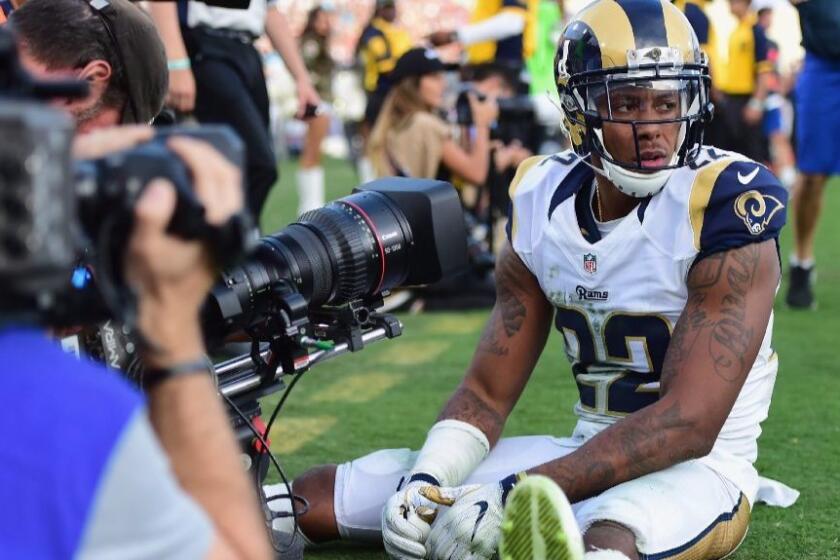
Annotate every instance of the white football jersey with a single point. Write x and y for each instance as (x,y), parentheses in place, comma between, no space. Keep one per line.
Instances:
(618,298)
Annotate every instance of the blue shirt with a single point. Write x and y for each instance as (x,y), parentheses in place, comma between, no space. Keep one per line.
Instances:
(81,473)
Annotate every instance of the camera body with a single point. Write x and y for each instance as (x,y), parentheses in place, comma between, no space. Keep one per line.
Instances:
(516,122)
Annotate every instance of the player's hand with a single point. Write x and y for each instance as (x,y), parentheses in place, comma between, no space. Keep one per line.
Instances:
(440,38)
(470,527)
(181,95)
(170,276)
(406,522)
(484,112)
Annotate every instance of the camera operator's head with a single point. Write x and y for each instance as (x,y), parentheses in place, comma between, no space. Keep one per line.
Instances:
(110,44)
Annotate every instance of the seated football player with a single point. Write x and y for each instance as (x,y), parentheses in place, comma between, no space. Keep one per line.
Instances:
(657,259)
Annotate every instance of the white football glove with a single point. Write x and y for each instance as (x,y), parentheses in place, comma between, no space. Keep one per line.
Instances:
(406,522)
(469,529)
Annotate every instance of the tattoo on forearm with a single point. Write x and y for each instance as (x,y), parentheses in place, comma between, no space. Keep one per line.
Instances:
(627,450)
(467,406)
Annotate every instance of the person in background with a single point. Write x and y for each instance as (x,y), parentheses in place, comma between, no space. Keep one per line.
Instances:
(782,158)
(216,74)
(380,45)
(817,141)
(314,47)
(411,140)
(744,87)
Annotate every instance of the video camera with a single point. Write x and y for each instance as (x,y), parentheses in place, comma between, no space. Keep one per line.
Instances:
(302,295)
(517,118)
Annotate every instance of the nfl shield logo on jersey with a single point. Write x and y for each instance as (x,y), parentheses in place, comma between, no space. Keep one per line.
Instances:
(590,263)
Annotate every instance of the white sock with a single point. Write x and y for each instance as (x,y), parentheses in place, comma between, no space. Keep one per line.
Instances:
(365,170)
(807,263)
(605,555)
(310,188)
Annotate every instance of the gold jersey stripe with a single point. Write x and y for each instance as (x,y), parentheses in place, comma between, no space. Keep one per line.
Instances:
(521,171)
(701,192)
(613,29)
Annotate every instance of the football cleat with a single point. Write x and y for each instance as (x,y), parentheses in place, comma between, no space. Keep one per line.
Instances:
(539,524)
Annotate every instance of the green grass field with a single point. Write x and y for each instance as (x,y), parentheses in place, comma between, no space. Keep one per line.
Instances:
(389,394)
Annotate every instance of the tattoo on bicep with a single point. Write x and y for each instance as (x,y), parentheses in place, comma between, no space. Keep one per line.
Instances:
(729,335)
(467,406)
(509,293)
(490,342)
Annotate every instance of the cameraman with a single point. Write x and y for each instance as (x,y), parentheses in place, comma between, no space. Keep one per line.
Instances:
(88,469)
(112,45)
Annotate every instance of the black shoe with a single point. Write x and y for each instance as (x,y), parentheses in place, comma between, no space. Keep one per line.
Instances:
(800,295)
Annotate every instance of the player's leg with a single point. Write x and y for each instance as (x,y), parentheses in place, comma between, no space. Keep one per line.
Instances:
(688,509)
(346,501)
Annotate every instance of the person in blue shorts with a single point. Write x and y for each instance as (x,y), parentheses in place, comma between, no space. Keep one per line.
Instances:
(818,144)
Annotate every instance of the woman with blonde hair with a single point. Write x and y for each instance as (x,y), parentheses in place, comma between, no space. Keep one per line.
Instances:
(409,137)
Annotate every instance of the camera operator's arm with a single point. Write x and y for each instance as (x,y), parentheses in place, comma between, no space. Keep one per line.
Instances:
(285,43)
(181,94)
(171,278)
(472,165)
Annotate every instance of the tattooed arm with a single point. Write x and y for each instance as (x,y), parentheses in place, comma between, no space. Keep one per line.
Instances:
(512,341)
(715,342)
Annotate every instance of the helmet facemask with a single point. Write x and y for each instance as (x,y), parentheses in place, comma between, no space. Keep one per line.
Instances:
(663,91)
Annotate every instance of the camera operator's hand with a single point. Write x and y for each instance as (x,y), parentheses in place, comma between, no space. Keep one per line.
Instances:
(484,112)
(170,276)
(181,95)
(104,141)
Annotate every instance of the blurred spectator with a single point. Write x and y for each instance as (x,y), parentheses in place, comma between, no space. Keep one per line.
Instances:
(410,139)
(776,105)
(314,47)
(216,73)
(500,31)
(744,87)
(380,45)
(112,45)
(817,140)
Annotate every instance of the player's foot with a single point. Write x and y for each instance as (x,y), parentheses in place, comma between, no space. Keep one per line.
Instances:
(539,524)
(800,293)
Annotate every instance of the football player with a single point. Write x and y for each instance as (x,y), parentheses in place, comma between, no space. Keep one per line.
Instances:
(657,259)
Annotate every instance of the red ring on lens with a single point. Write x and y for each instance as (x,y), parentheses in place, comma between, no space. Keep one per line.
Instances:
(372,226)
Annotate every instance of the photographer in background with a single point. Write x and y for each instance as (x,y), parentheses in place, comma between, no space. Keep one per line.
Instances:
(411,140)
(114,47)
(110,477)
(216,74)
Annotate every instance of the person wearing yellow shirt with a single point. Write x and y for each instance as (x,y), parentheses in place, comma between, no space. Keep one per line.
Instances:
(744,87)
(381,44)
(500,31)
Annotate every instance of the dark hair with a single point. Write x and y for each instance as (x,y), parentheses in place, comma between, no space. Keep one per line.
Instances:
(310,20)
(63,34)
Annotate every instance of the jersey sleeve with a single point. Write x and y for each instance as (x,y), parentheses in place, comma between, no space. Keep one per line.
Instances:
(734,203)
(699,22)
(525,209)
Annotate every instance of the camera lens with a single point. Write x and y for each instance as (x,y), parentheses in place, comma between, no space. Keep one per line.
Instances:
(394,232)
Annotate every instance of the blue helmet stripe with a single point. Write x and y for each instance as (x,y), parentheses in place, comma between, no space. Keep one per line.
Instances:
(648,22)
